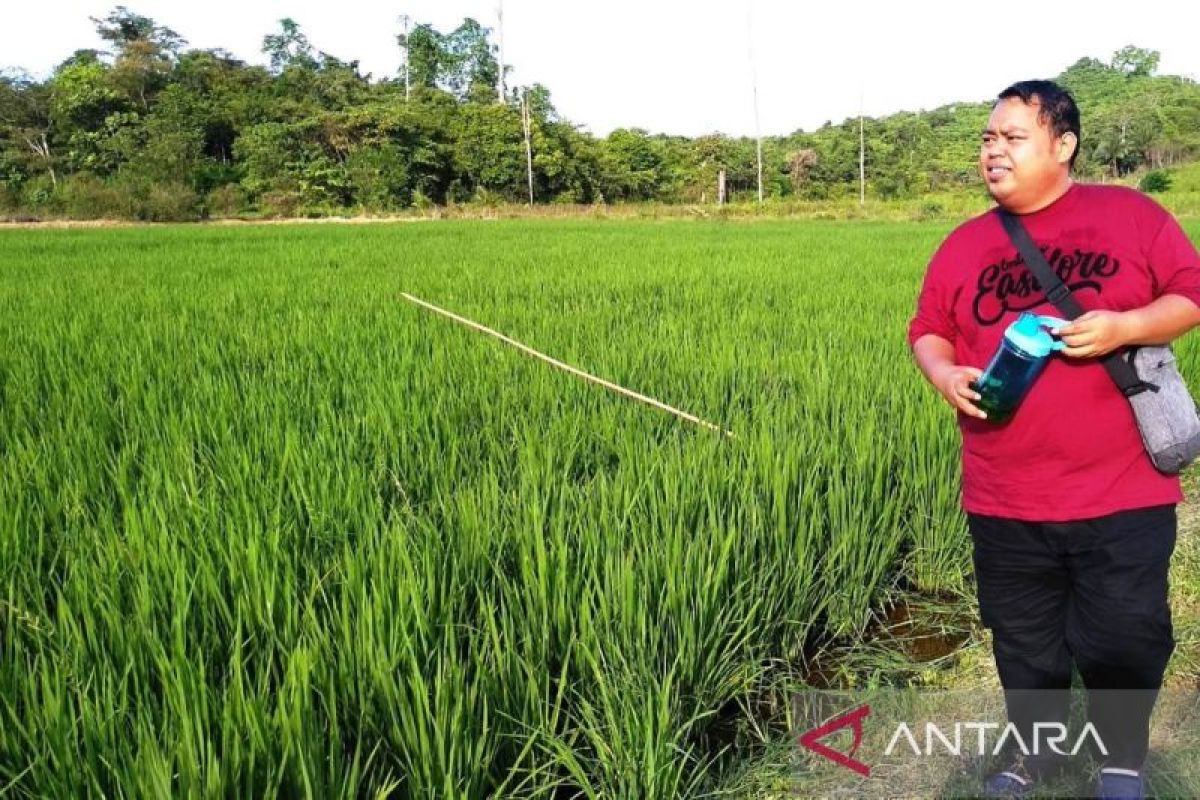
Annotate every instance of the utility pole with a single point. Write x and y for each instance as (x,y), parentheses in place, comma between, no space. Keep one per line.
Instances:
(405,20)
(758,146)
(528,145)
(500,36)
(862,155)
(754,85)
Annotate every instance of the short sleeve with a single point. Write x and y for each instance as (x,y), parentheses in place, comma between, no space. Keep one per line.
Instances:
(1174,262)
(935,303)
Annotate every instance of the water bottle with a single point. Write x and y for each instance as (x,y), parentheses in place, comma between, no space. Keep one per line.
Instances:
(1020,358)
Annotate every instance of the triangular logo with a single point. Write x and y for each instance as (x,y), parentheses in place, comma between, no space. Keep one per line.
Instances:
(854,719)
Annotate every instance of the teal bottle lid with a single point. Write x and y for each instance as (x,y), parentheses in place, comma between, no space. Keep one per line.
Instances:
(1029,335)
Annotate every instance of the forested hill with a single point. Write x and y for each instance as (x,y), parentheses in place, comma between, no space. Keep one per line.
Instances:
(150,129)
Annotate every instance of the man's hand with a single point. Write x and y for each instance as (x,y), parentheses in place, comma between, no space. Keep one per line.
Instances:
(1097,333)
(935,357)
(953,382)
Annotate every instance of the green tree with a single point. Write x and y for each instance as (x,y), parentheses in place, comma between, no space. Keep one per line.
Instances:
(1135,61)
(472,70)
(82,95)
(426,55)
(123,28)
(288,48)
(26,128)
(633,166)
(490,151)
(462,62)
(144,53)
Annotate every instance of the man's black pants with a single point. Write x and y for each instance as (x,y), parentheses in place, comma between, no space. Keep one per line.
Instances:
(1092,592)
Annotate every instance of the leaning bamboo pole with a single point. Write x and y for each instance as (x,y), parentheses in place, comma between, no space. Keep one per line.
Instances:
(612,387)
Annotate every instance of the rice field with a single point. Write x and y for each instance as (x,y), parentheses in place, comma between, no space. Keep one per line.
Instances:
(267,529)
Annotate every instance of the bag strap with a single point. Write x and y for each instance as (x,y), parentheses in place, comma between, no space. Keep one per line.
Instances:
(1060,295)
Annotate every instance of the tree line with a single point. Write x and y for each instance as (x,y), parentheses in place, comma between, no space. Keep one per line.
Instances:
(150,129)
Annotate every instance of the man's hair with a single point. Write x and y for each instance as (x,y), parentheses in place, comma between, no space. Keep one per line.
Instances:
(1056,108)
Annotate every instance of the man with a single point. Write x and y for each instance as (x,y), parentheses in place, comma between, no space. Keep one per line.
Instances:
(1072,526)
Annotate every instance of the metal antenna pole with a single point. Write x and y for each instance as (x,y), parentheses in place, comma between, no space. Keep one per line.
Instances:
(500,26)
(404,20)
(526,123)
(754,85)
(862,155)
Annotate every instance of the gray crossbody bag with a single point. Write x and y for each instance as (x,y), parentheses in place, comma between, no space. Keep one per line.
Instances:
(1165,411)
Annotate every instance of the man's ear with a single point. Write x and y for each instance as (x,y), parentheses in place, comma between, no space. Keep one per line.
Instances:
(1067,143)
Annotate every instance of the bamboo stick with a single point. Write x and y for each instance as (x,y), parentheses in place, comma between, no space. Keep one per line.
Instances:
(621,390)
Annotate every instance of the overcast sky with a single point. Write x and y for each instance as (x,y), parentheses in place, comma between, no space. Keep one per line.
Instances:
(683,66)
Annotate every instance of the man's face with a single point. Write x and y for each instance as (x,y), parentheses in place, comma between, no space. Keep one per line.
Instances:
(1024,165)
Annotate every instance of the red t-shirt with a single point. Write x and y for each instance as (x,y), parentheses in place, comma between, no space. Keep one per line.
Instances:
(1072,449)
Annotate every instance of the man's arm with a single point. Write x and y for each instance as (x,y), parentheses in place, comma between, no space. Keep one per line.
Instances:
(1163,321)
(1098,333)
(935,357)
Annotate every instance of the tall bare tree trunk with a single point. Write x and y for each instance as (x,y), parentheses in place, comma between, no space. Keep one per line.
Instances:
(528,143)
(862,156)
(407,88)
(500,36)
(754,86)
